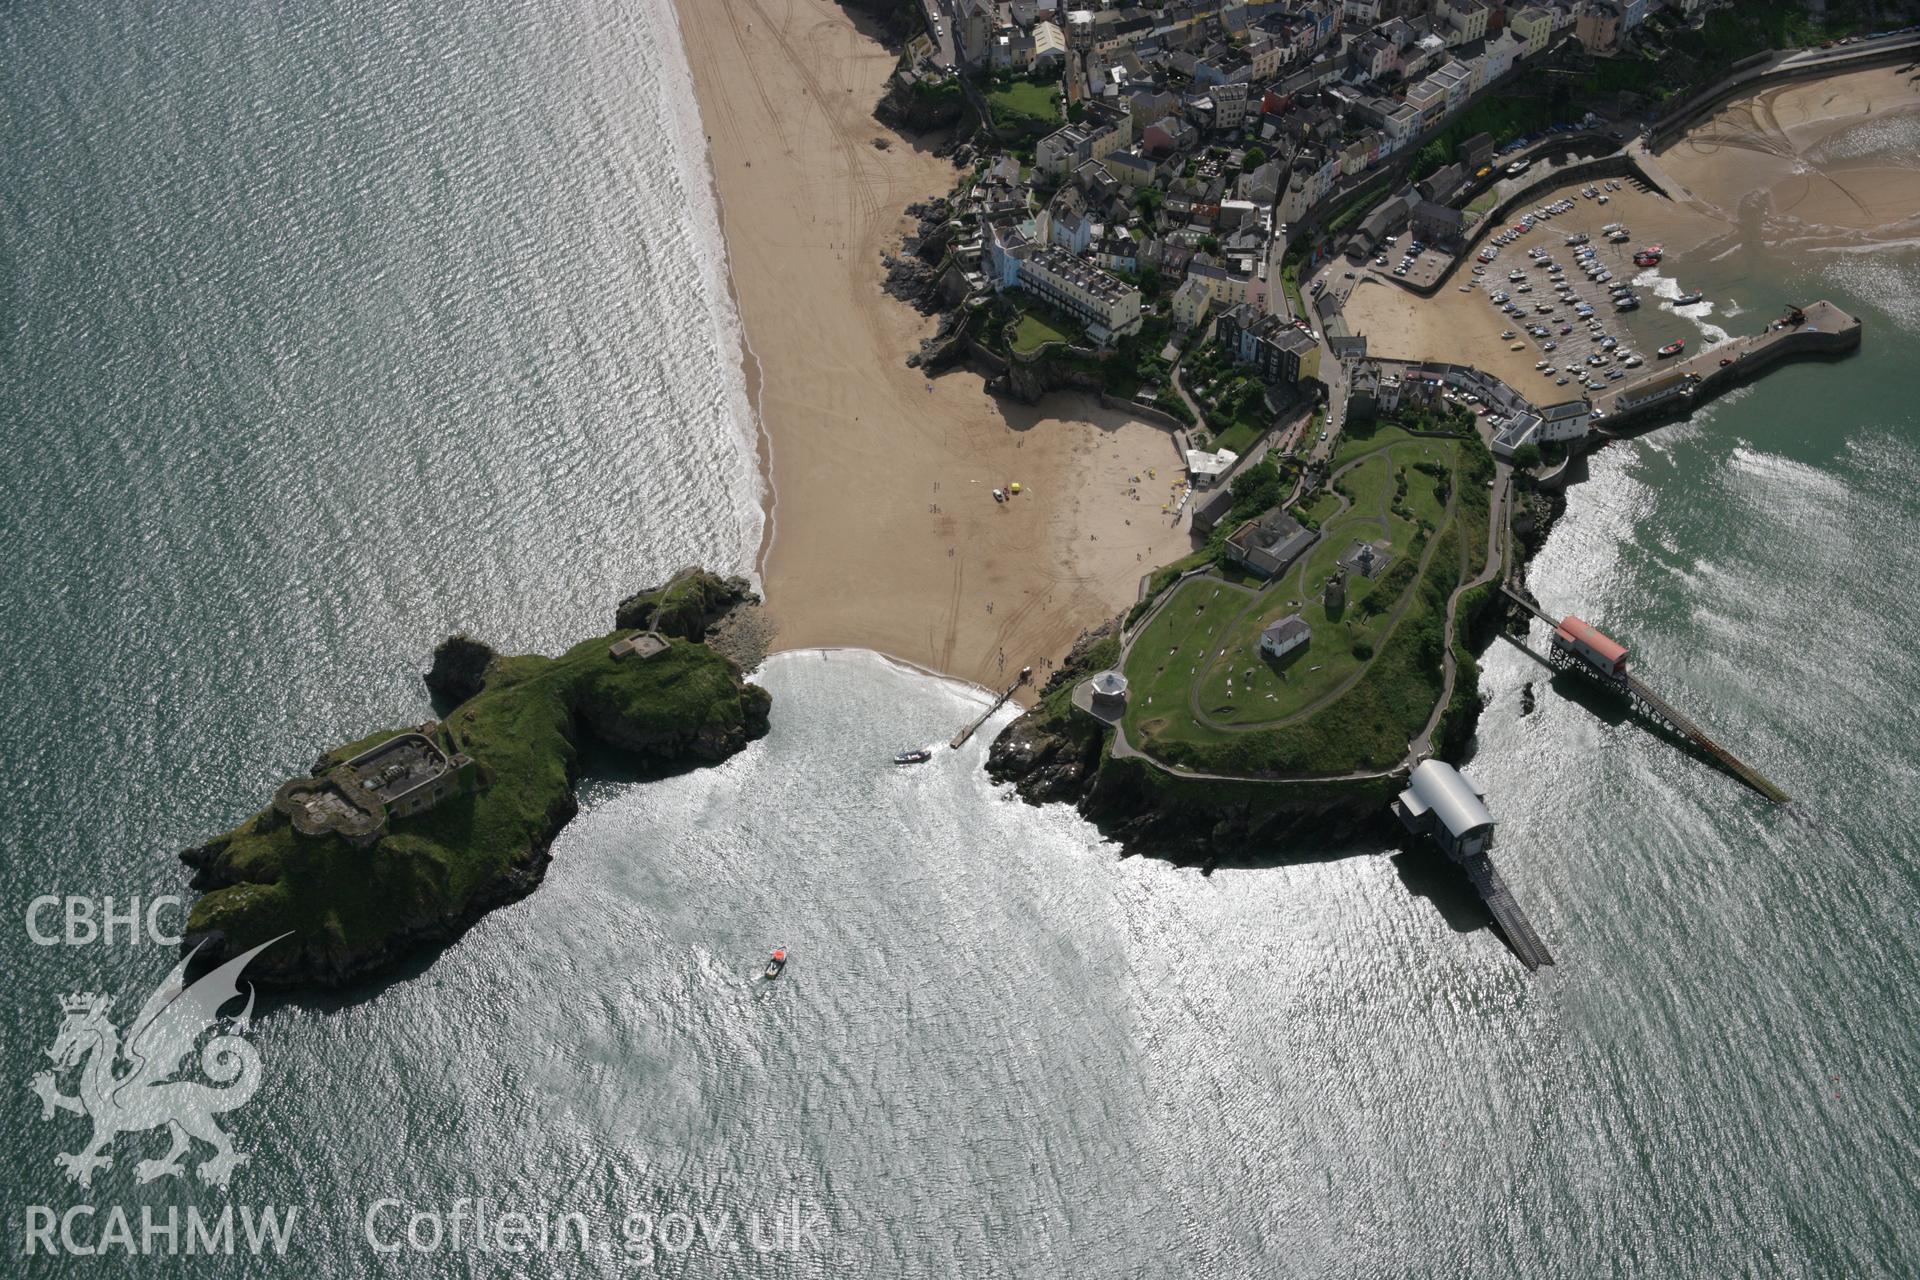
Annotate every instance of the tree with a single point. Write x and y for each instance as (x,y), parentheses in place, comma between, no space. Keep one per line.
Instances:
(1527,456)
(1257,488)
(1210,244)
(1254,158)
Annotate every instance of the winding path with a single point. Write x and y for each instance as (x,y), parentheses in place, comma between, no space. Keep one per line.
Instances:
(1422,746)
(1393,619)
(1498,542)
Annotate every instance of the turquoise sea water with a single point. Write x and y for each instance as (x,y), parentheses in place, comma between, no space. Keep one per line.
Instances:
(326,334)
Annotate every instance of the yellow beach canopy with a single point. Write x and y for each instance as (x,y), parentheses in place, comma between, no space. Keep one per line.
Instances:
(1015,486)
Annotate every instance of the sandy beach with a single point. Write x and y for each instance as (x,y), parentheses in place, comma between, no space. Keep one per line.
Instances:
(1772,164)
(884,533)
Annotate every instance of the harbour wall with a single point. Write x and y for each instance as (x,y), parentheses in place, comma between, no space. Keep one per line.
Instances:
(1770,350)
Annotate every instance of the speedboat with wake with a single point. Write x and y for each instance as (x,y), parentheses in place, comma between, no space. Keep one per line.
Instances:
(919,755)
(775,963)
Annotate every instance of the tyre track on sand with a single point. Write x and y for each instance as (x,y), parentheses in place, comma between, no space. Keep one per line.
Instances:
(943,649)
(767,106)
(860,185)
(867,195)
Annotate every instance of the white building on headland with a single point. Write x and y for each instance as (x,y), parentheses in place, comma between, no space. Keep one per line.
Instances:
(1278,639)
(1441,803)
(1107,304)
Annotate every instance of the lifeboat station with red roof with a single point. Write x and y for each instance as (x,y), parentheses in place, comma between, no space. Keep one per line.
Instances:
(1592,646)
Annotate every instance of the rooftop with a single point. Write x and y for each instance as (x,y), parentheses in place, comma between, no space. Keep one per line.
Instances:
(1438,788)
(1286,629)
(1084,275)
(1574,629)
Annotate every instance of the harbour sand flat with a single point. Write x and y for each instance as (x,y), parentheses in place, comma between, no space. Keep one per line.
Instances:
(1465,328)
(885,534)
(1762,167)
(1768,163)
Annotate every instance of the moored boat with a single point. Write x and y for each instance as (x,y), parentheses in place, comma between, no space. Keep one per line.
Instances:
(1673,348)
(1688,299)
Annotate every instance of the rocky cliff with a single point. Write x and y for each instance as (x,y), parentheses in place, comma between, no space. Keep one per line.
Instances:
(1055,754)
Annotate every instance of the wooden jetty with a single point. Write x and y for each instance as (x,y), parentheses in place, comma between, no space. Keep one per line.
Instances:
(960,738)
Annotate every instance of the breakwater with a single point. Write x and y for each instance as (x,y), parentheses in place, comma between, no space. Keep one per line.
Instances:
(1820,330)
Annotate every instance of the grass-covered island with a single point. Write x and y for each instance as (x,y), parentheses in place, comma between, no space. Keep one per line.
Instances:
(404,838)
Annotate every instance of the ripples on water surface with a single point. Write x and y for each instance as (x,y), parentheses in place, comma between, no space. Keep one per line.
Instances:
(332,330)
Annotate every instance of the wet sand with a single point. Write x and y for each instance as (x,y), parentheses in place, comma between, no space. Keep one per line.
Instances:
(884,533)
(1794,162)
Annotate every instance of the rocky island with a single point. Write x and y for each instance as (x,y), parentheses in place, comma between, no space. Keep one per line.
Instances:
(404,838)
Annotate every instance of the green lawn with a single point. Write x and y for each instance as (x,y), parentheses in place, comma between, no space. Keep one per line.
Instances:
(1032,332)
(1207,637)
(1239,437)
(1318,508)
(1024,103)
(524,731)
(1167,656)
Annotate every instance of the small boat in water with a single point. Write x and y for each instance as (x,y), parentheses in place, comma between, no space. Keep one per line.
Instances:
(919,755)
(1673,348)
(776,963)
(1688,299)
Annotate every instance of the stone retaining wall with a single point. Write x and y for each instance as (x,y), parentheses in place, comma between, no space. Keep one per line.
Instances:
(1744,79)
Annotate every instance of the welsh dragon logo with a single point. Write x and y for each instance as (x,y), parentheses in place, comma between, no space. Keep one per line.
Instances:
(128,1088)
